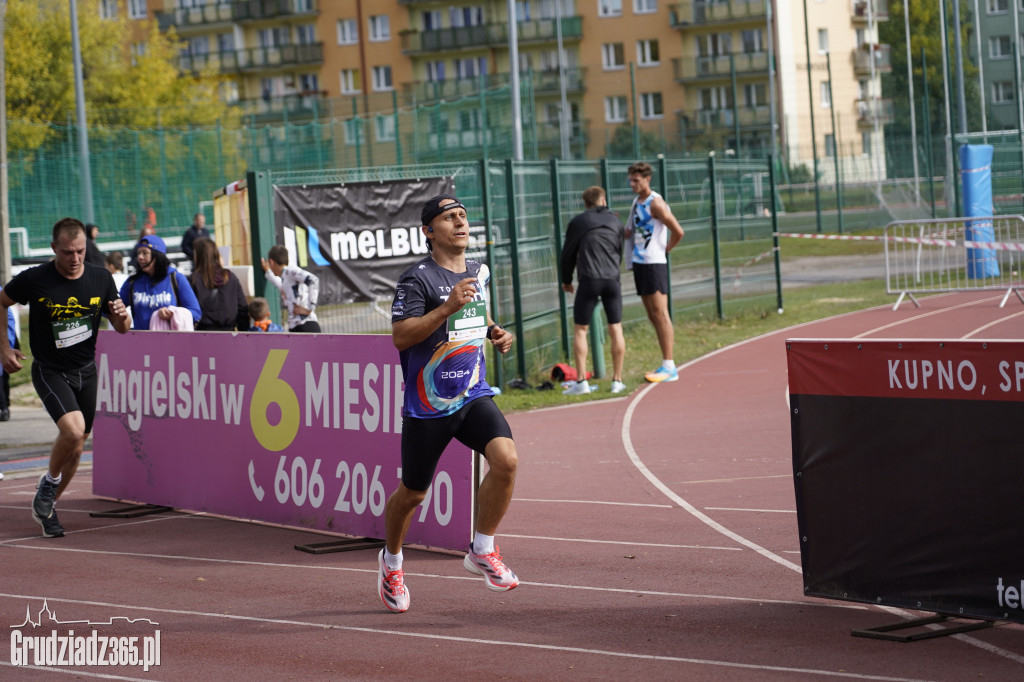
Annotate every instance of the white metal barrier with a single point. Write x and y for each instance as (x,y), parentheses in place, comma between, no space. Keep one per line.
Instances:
(954,254)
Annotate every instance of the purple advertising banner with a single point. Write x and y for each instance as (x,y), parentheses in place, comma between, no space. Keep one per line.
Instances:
(294,429)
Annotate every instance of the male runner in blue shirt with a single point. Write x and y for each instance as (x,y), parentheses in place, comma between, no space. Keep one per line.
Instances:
(439,323)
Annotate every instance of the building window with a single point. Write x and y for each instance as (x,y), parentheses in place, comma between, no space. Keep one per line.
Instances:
(997,6)
(615,109)
(609,8)
(348,32)
(382,78)
(714,45)
(830,145)
(522,11)
(752,41)
(431,20)
(225,42)
(138,51)
(647,53)
(865,143)
(650,105)
(999,47)
(380,28)
(1002,92)
(822,41)
(349,81)
(384,127)
(470,67)
(645,6)
(755,95)
(108,9)
(304,34)
(137,9)
(826,94)
(466,16)
(613,56)
(309,83)
(303,5)
(272,37)
(435,72)
(354,132)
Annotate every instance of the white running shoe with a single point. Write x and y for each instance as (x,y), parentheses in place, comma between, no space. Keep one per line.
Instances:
(579,388)
(618,387)
(497,575)
(391,587)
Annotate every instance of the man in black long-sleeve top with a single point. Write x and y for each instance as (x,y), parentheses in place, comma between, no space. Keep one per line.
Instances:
(593,245)
(195,231)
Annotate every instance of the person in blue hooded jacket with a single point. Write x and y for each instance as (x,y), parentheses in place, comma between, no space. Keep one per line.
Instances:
(156,286)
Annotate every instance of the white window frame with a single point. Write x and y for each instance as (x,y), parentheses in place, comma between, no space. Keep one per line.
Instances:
(307,79)
(349,81)
(825,89)
(138,51)
(865,143)
(993,6)
(830,145)
(381,78)
(108,9)
(616,109)
(609,8)
(822,41)
(384,128)
(648,52)
(645,6)
(436,71)
(137,9)
(995,45)
(758,41)
(1002,92)
(348,32)
(355,131)
(432,17)
(379,27)
(609,53)
(647,106)
(305,34)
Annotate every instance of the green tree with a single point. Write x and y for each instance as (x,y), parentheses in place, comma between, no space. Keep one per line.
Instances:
(621,145)
(121,89)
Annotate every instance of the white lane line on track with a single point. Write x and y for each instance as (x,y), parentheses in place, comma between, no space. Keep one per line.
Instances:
(472,640)
(77,672)
(991,324)
(623,504)
(620,542)
(922,316)
(345,569)
(627,444)
(759,511)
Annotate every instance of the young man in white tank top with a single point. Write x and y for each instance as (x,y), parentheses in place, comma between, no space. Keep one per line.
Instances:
(655,232)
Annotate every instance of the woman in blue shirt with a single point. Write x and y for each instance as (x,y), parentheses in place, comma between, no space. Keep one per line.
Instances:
(156,287)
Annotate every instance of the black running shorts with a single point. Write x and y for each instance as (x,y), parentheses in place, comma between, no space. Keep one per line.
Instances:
(68,390)
(610,293)
(424,440)
(650,278)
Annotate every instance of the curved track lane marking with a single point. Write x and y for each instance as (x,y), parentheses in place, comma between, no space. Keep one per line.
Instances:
(627,444)
(475,640)
(922,316)
(992,324)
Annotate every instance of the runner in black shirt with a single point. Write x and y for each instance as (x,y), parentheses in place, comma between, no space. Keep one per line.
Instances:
(66,299)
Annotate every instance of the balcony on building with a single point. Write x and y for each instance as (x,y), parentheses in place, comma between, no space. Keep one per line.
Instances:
(299,106)
(879,10)
(720,67)
(262,10)
(254,58)
(203,18)
(862,59)
(748,118)
(870,111)
(187,20)
(705,12)
(487,35)
(544,82)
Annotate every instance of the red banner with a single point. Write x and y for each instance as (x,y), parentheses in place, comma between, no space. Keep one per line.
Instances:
(946,370)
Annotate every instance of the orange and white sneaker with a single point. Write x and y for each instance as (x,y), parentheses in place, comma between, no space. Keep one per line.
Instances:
(391,587)
(497,575)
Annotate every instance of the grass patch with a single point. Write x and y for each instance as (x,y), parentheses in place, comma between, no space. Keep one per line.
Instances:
(698,336)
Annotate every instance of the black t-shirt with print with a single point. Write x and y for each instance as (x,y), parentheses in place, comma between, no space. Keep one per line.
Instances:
(64,314)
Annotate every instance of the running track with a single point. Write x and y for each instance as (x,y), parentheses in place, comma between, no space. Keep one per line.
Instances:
(655,535)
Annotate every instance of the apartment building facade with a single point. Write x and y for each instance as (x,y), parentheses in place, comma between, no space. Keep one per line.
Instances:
(693,74)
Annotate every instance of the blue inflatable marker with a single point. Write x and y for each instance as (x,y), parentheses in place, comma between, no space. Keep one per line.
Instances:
(976,179)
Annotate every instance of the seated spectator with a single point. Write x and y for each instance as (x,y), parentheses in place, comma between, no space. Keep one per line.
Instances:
(259,311)
(219,292)
(156,288)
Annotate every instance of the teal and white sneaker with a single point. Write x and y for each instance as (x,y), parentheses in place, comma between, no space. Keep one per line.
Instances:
(662,374)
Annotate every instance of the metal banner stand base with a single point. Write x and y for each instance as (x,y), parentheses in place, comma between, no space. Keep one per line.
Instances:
(132,512)
(887,632)
(346,545)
